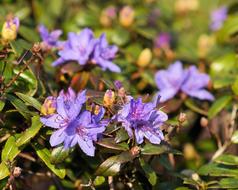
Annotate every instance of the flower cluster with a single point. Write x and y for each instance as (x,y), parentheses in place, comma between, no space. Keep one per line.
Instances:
(50,39)
(218,17)
(85,49)
(142,120)
(190,81)
(72,122)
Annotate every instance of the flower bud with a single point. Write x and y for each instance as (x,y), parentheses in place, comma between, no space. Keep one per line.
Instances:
(49,106)
(189,152)
(118,84)
(144,57)
(183,6)
(10,28)
(109,98)
(204,122)
(17,171)
(122,92)
(182,117)
(97,109)
(107,16)
(126,16)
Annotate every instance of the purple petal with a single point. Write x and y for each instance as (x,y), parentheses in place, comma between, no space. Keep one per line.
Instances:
(54,121)
(167,94)
(86,146)
(139,136)
(201,94)
(57,137)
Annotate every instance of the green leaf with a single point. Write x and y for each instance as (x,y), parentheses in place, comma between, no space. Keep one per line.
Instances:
(229,28)
(99,180)
(29,34)
(234,87)
(152,149)
(30,100)
(2,104)
(149,172)
(228,183)
(120,36)
(20,106)
(44,155)
(29,133)
(227,159)
(217,170)
(218,105)
(10,150)
(59,154)
(190,104)
(234,137)
(121,135)
(4,171)
(112,165)
(19,46)
(111,144)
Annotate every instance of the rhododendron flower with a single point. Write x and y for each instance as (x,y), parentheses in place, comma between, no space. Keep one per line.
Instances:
(73,124)
(84,48)
(190,81)
(218,17)
(10,28)
(142,120)
(103,54)
(50,39)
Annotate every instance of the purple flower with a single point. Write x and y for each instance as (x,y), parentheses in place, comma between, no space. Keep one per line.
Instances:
(162,40)
(103,54)
(218,17)
(50,39)
(142,120)
(73,124)
(78,48)
(190,81)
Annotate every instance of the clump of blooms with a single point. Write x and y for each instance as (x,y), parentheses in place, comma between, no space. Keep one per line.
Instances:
(218,17)
(73,124)
(85,49)
(10,28)
(190,81)
(142,120)
(50,39)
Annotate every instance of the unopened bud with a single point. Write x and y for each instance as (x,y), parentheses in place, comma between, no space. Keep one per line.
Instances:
(17,171)
(144,57)
(122,92)
(109,98)
(204,122)
(36,47)
(10,28)
(135,151)
(107,16)
(195,177)
(182,117)
(189,152)
(49,106)
(126,16)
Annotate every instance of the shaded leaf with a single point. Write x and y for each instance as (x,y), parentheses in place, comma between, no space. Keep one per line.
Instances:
(190,104)
(228,183)
(4,171)
(218,105)
(59,154)
(29,133)
(227,159)
(111,144)
(121,135)
(149,172)
(2,104)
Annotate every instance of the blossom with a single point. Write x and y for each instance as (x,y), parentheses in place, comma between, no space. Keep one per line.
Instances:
(10,28)
(73,124)
(218,17)
(190,81)
(84,49)
(162,40)
(142,120)
(126,16)
(78,48)
(103,54)
(50,39)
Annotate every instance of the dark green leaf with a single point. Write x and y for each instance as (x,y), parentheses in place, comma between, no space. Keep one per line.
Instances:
(121,135)
(2,104)
(29,133)
(112,165)
(190,104)
(218,105)
(228,183)
(29,34)
(111,144)
(152,149)
(149,172)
